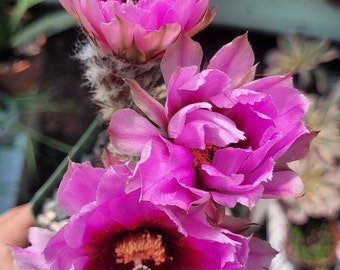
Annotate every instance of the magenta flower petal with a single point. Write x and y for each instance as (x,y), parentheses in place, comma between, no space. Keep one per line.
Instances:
(229,99)
(113,182)
(130,131)
(101,237)
(235,257)
(235,59)
(195,125)
(237,130)
(284,183)
(183,53)
(68,194)
(186,87)
(173,185)
(299,149)
(229,160)
(260,255)
(213,179)
(238,191)
(179,77)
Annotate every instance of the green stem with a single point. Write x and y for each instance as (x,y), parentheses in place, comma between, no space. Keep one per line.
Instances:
(86,140)
(53,143)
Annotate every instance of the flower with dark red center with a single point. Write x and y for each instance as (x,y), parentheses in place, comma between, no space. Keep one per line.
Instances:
(111,229)
(221,133)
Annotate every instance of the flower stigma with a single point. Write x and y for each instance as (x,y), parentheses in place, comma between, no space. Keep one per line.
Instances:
(139,247)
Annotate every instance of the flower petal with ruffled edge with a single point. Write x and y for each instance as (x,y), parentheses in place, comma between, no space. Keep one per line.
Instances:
(32,257)
(117,230)
(131,131)
(237,136)
(95,239)
(69,196)
(168,170)
(138,30)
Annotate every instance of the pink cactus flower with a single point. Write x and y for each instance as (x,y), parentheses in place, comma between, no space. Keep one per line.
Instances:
(138,30)
(112,229)
(221,133)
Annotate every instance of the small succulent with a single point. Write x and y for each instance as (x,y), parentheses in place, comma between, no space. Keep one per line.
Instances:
(321,197)
(297,54)
(324,116)
(302,57)
(319,171)
(313,245)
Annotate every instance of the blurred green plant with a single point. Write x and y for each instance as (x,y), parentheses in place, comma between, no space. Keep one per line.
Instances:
(319,170)
(302,56)
(12,110)
(17,28)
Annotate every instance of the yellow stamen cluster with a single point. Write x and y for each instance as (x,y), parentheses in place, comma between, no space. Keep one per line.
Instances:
(139,247)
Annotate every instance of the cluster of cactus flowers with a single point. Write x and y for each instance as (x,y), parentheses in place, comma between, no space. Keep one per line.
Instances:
(218,139)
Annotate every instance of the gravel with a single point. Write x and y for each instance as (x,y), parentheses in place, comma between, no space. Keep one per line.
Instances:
(52,216)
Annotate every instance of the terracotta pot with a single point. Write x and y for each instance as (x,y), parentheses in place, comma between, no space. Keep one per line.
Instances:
(23,74)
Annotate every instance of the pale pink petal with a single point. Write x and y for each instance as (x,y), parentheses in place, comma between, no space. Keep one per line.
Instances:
(32,257)
(207,18)
(119,34)
(130,131)
(139,31)
(150,106)
(157,41)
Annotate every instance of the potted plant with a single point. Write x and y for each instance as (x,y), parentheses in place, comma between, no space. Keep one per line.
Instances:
(22,36)
(313,244)
(308,233)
